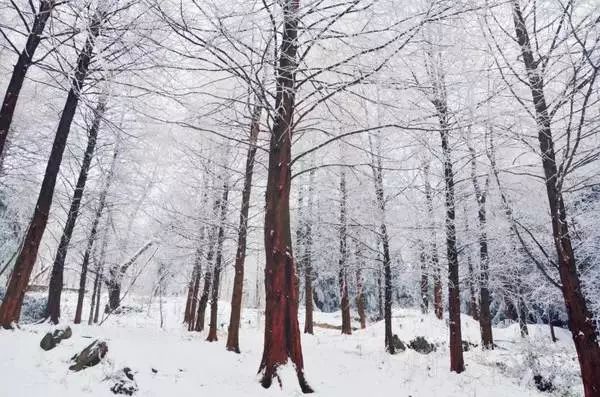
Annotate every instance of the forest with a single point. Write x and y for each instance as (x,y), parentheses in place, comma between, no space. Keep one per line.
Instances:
(282,197)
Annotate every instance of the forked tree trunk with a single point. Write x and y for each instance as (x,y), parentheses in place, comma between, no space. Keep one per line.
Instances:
(58,267)
(282,331)
(307,260)
(11,306)
(438,305)
(580,320)
(194,287)
(214,300)
(343,262)
(25,60)
(233,334)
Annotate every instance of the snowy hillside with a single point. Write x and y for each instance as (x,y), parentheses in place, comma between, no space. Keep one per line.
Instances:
(175,362)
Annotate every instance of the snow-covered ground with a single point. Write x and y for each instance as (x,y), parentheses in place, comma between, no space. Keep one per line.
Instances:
(173,362)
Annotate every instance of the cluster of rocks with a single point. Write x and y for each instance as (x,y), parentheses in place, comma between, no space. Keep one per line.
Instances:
(92,355)
(419,344)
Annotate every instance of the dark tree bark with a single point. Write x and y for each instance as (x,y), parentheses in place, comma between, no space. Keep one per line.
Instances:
(343,262)
(424,284)
(233,342)
(93,301)
(194,287)
(580,320)
(360,296)
(214,300)
(485,318)
(99,291)
(377,169)
(25,60)
(307,261)
(99,270)
(282,331)
(58,267)
(113,283)
(438,305)
(13,300)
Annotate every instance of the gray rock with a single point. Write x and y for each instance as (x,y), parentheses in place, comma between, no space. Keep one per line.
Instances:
(420,344)
(48,342)
(62,334)
(398,344)
(125,383)
(90,356)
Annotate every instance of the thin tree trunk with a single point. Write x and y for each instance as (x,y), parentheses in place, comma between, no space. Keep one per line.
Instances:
(438,305)
(343,265)
(580,323)
(93,302)
(424,284)
(233,342)
(307,260)
(58,267)
(377,169)
(360,296)
(11,306)
(214,301)
(190,316)
(485,318)
(99,292)
(17,79)
(282,331)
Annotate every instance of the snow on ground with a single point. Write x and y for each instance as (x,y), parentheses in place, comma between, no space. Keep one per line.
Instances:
(336,365)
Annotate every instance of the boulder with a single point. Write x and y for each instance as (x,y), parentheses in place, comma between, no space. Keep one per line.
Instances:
(90,356)
(420,344)
(397,343)
(124,382)
(48,342)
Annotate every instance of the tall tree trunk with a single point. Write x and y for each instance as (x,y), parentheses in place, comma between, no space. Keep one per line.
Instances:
(190,314)
(13,300)
(377,169)
(580,323)
(17,79)
(282,331)
(438,305)
(440,103)
(233,342)
(307,260)
(343,262)
(58,267)
(93,302)
(99,291)
(485,318)
(214,301)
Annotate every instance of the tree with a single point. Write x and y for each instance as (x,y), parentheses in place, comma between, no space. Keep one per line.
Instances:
(233,343)
(343,261)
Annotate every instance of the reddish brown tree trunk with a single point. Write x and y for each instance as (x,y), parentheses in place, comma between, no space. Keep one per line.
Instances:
(580,320)
(282,332)
(214,301)
(343,270)
(233,334)
(13,300)
(17,79)
(58,267)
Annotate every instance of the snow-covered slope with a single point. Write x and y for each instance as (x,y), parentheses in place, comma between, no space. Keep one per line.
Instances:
(174,362)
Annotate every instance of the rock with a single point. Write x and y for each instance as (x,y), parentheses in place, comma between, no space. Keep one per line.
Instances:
(420,344)
(154,370)
(124,382)
(89,356)
(48,342)
(62,334)
(466,345)
(542,383)
(397,343)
